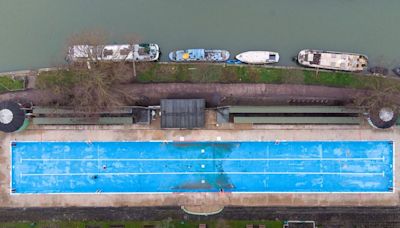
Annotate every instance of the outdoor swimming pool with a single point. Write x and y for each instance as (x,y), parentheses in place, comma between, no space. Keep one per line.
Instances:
(161,167)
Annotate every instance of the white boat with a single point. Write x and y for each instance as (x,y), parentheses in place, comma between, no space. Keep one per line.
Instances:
(114,53)
(332,60)
(258,57)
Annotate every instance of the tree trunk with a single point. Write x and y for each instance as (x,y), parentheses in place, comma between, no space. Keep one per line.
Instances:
(134,69)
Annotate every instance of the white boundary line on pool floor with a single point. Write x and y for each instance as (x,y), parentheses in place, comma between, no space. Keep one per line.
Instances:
(203,141)
(201,173)
(394,167)
(202,159)
(194,192)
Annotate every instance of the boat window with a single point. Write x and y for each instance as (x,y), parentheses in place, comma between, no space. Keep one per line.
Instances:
(107,52)
(124,51)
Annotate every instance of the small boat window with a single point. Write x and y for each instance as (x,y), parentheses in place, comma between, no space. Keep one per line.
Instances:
(107,52)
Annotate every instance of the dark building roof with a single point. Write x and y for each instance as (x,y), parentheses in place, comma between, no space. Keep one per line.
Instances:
(182,113)
(12,116)
(110,116)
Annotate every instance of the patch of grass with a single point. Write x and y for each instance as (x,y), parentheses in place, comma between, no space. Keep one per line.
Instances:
(148,73)
(271,75)
(9,84)
(210,73)
(163,73)
(203,73)
(335,79)
(168,223)
(51,79)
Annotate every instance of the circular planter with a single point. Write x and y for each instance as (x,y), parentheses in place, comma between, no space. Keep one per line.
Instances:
(382,118)
(12,116)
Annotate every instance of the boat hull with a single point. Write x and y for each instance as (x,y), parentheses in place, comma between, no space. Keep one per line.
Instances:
(114,53)
(331,60)
(258,57)
(199,55)
(396,71)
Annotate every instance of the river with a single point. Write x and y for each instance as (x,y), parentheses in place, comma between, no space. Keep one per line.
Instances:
(34,33)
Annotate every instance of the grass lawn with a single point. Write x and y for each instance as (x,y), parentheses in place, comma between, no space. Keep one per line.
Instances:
(211,73)
(59,78)
(203,73)
(137,224)
(9,84)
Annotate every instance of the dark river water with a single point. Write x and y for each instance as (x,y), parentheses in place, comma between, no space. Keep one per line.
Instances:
(34,32)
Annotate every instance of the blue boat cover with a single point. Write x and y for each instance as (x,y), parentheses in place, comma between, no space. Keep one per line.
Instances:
(233,61)
(194,54)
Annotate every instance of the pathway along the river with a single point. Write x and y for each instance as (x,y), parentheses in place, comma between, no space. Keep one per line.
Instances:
(215,94)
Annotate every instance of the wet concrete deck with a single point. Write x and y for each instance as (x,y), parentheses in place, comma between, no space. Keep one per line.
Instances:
(212,132)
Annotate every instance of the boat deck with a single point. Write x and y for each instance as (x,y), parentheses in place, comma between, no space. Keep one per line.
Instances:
(333,60)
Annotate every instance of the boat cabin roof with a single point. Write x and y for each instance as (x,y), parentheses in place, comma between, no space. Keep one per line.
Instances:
(272,56)
(197,54)
(338,60)
(117,52)
(331,60)
(82,51)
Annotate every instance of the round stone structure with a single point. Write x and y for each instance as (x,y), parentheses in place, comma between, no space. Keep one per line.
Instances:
(12,116)
(383,117)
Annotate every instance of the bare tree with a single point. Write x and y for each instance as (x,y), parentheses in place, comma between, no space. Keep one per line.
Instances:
(381,93)
(93,72)
(85,46)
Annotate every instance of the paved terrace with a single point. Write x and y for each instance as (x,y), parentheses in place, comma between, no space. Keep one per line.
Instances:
(211,132)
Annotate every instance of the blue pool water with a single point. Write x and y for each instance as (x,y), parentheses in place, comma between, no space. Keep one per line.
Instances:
(136,167)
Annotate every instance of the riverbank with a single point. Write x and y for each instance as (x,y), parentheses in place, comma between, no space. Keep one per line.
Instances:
(166,72)
(226,82)
(225,73)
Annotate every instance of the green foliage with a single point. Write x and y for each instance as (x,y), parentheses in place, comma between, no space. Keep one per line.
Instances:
(204,73)
(271,75)
(57,80)
(207,73)
(9,84)
(211,73)
(335,79)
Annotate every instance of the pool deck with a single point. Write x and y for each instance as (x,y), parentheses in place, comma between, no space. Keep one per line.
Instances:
(212,132)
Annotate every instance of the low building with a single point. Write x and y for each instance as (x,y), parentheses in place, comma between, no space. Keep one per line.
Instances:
(66,116)
(182,113)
